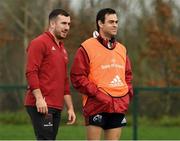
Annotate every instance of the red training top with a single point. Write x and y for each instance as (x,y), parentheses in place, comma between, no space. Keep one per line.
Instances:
(79,77)
(47,70)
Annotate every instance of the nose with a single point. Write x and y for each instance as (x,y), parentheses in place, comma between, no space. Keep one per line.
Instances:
(115,24)
(67,26)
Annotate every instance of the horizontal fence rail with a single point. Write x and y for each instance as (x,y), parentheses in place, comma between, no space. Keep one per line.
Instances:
(13,87)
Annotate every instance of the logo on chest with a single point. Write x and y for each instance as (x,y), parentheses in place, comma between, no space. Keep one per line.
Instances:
(53,48)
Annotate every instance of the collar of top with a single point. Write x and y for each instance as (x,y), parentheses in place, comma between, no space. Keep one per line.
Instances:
(109,44)
(53,38)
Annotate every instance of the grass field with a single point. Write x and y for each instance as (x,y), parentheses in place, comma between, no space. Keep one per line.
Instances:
(25,132)
(16,126)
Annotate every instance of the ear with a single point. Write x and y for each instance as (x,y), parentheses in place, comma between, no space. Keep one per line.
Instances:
(100,24)
(52,23)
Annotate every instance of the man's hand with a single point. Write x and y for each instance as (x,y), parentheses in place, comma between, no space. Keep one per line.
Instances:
(103,98)
(41,106)
(70,109)
(40,102)
(71,117)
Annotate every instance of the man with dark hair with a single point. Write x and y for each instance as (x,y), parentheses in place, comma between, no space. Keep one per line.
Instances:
(46,73)
(102,73)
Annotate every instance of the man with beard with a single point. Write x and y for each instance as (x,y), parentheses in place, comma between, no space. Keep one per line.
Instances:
(46,73)
(102,73)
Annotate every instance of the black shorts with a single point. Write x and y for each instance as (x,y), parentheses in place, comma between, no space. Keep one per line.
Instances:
(107,120)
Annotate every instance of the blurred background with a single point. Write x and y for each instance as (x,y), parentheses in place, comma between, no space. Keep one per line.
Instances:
(150,30)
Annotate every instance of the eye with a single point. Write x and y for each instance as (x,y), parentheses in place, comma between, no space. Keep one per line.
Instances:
(63,22)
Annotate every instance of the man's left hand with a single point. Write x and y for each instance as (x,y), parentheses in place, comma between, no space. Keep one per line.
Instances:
(71,117)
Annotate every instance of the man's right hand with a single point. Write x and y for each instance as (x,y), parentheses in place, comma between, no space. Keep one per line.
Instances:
(40,102)
(41,106)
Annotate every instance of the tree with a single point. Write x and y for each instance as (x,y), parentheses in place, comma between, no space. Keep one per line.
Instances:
(20,25)
(164,51)
(163,45)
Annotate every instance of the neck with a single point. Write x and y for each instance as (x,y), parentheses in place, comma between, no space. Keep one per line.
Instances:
(55,39)
(104,36)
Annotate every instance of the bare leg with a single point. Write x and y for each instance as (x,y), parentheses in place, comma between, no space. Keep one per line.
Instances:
(112,134)
(93,132)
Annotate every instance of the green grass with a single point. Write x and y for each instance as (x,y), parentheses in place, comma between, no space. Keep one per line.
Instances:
(16,126)
(16,132)
(25,132)
(159,133)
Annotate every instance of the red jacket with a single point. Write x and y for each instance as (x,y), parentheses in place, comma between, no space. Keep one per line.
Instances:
(47,70)
(79,78)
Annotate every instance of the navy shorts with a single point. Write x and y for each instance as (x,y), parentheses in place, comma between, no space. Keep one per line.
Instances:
(107,120)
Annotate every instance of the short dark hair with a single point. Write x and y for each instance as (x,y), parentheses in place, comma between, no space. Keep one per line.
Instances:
(57,12)
(101,15)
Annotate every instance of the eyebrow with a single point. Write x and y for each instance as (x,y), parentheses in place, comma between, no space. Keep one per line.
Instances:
(66,22)
(114,21)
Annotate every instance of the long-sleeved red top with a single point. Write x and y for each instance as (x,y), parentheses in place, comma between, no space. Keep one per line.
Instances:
(79,78)
(46,69)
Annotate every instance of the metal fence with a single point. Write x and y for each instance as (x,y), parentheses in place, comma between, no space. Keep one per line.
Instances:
(138,92)
(136,103)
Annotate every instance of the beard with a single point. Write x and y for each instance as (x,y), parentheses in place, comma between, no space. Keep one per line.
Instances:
(110,35)
(58,35)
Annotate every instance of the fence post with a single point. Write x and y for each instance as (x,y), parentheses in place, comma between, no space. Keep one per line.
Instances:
(135,114)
